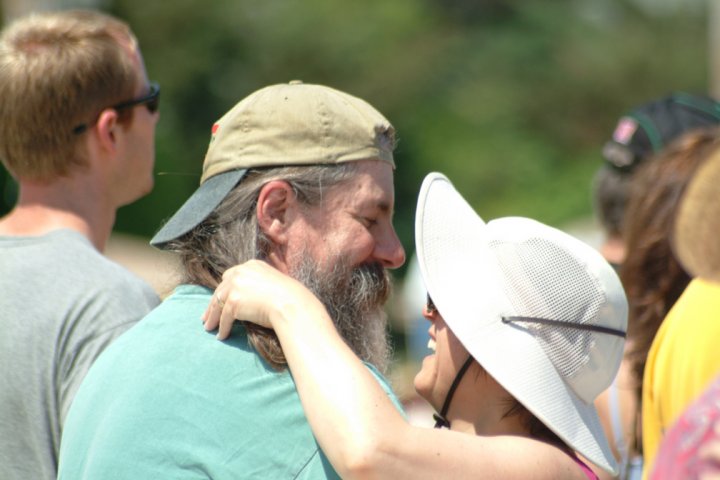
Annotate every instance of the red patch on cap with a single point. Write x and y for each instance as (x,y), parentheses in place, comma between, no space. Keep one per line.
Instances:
(214,128)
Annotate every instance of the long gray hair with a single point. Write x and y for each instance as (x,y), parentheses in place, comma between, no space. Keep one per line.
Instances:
(230,234)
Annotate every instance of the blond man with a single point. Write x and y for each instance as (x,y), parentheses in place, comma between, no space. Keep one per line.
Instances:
(77,127)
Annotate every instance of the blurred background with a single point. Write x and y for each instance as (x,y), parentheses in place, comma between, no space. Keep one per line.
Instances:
(512,99)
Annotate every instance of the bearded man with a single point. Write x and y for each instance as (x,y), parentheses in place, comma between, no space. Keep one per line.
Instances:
(300,176)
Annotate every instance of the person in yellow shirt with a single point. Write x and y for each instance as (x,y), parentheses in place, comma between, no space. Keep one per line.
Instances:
(684,356)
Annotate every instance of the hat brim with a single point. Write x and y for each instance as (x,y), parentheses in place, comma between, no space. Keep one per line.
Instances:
(461,275)
(197,208)
(698,221)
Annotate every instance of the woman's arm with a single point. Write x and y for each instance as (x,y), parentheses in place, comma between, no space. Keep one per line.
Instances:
(356,425)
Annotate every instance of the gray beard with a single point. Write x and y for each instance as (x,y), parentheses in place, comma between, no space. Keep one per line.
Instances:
(354,299)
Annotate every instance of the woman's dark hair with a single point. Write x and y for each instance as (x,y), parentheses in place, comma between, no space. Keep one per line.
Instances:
(651,274)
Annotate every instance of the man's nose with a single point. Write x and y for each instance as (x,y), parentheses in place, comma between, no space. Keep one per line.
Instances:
(389,251)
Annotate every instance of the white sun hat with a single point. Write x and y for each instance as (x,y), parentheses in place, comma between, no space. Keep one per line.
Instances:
(542,312)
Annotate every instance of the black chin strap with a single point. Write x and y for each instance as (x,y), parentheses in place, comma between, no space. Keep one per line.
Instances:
(440,420)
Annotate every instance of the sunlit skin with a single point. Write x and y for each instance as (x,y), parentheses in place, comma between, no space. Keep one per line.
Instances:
(352,223)
(138,178)
(479,403)
(446,356)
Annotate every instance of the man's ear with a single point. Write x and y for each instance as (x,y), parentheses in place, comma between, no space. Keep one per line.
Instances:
(106,131)
(276,205)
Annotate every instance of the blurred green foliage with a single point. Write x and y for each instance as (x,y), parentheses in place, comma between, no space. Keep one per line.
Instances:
(511,99)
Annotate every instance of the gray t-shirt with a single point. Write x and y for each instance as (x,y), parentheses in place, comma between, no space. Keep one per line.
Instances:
(61,303)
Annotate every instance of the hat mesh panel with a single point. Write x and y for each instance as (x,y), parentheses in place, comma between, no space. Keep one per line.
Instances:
(535,289)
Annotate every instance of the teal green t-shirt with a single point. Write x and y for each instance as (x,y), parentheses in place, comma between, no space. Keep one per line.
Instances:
(168,400)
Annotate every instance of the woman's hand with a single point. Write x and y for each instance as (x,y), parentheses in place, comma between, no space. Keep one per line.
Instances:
(258,293)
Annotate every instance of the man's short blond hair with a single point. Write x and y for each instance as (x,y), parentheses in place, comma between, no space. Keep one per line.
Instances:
(59,70)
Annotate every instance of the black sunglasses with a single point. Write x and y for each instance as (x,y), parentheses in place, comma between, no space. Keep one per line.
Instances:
(151,102)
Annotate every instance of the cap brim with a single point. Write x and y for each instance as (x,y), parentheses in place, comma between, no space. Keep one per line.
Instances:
(197,208)
(457,264)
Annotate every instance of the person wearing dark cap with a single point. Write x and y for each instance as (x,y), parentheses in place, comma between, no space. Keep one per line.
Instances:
(683,359)
(299,176)
(654,151)
(639,135)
